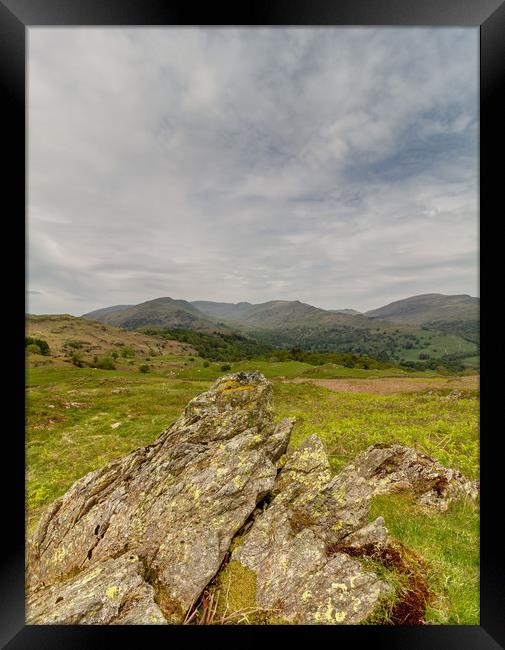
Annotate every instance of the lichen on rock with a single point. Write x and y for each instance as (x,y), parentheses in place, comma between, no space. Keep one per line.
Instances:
(286,546)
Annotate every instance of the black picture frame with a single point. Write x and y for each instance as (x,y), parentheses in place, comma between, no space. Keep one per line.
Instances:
(16,16)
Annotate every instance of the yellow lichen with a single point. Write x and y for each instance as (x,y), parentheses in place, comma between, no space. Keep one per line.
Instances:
(231,385)
(112,592)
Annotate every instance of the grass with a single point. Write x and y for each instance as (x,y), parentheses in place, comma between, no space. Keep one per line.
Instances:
(432,421)
(332,371)
(449,543)
(72,417)
(437,345)
(287,369)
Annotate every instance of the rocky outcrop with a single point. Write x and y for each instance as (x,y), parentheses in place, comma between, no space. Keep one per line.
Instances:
(138,541)
(301,547)
(290,545)
(394,468)
(176,504)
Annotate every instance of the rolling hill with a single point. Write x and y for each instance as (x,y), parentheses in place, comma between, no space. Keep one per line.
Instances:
(453,315)
(419,328)
(65,333)
(427,308)
(161,313)
(281,314)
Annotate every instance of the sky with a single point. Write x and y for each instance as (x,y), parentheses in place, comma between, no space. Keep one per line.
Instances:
(335,166)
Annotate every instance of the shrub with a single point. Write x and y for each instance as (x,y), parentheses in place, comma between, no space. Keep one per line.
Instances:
(42,345)
(127,351)
(144,368)
(206,364)
(106,363)
(33,348)
(225,367)
(77,359)
(115,354)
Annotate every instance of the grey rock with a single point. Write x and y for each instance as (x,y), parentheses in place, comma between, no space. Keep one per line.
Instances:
(114,591)
(298,548)
(176,503)
(138,541)
(289,546)
(395,468)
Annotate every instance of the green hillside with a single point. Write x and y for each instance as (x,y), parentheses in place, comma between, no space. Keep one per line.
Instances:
(418,330)
(161,312)
(429,307)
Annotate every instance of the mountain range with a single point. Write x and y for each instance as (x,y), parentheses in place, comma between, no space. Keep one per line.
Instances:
(392,330)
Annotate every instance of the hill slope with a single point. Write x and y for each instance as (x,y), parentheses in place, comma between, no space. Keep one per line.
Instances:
(291,323)
(160,312)
(417,310)
(281,314)
(65,333)
(99,313)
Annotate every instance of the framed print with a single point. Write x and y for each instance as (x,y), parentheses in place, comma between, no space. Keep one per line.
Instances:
(249,399)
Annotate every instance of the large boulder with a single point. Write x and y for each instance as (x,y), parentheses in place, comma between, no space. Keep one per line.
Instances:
(175,504)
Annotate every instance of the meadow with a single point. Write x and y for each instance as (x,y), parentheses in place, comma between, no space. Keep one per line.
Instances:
(79,418)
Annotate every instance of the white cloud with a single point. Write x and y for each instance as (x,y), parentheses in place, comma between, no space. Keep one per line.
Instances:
(251,164)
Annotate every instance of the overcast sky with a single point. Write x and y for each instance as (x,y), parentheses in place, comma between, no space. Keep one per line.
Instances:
(336,166)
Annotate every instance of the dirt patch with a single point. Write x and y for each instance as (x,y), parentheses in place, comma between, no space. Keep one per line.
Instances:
(386,385)
(414,596)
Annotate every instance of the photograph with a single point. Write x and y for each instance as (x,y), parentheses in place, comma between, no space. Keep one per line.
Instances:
(252,325)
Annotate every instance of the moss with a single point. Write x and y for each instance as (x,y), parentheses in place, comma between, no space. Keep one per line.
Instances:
(171,608)
(235,590)
(237,586)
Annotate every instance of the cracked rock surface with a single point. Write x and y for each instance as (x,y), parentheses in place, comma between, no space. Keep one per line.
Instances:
(176,503)
(113,592)
(293,545)
(287,546)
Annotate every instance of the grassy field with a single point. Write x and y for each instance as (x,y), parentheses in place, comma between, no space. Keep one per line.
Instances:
(436,345)
(78,419)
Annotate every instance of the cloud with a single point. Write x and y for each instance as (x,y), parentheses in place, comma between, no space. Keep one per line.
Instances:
(337,166)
